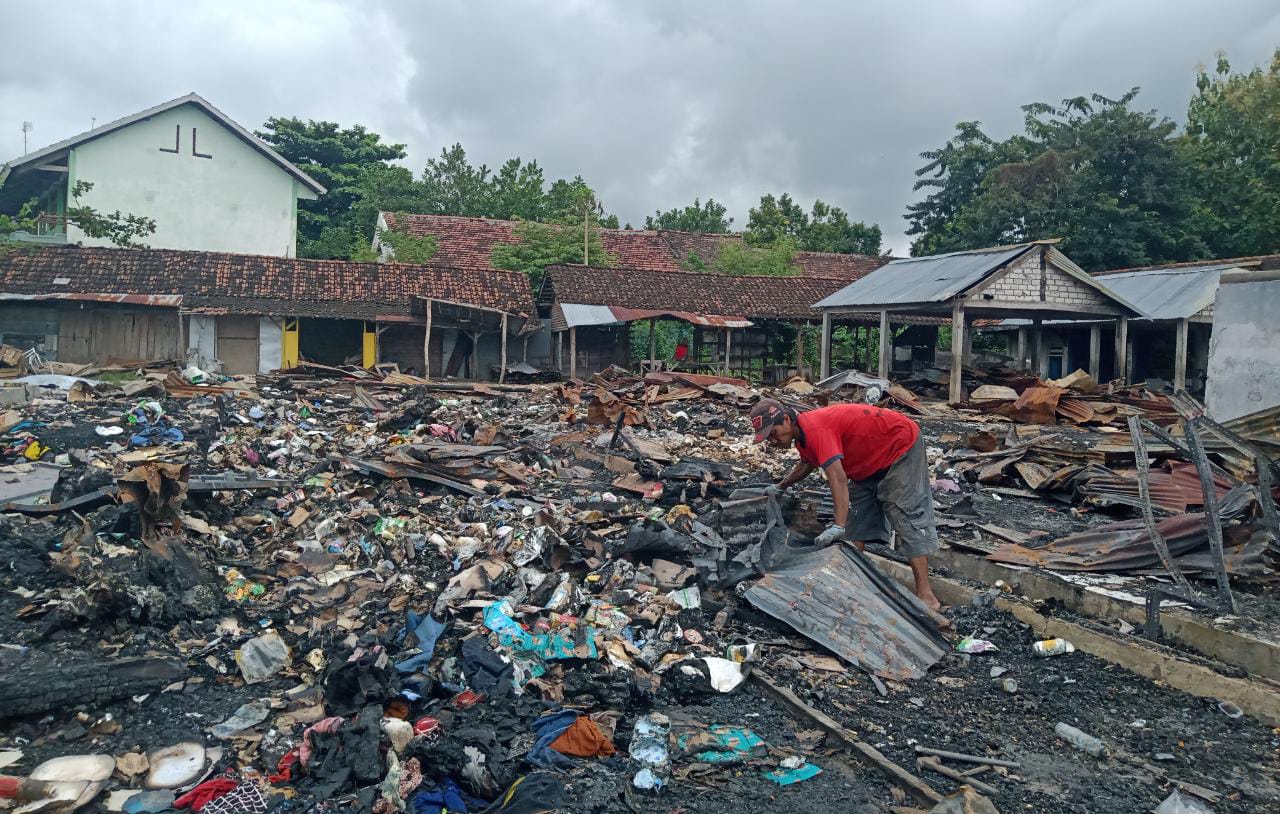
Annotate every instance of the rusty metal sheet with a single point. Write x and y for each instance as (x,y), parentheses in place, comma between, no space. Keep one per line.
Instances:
(1124,546)
(838,598)
(1037,405)
(1174,489)
(1075,410)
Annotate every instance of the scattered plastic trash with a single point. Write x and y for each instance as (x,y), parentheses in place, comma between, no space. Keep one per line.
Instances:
(971,645)
(1179,803)
(107,431)
(263,657)
(1080,740)
(250,714)
(149,802)
(792,770)
(1230,710)
(1053,647)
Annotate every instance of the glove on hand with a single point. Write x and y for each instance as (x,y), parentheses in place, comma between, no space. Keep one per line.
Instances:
(833,534)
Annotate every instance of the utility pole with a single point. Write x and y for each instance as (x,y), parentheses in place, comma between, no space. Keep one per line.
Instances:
(27,127)
(586,233)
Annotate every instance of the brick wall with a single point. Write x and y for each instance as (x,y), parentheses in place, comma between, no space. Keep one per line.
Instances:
(1022,284)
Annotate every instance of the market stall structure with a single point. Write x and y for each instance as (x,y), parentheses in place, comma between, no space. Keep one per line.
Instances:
(1033,281)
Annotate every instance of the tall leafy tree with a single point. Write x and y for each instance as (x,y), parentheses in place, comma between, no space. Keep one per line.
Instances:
(518,191)
(703,218)
(453,186)
(824,228)
(354,165)
(1232,140)
(1093,171)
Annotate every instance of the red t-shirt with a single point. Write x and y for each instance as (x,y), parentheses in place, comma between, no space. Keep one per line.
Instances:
(867,439)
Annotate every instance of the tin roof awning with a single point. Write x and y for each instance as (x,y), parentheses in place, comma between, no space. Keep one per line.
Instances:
(586,315)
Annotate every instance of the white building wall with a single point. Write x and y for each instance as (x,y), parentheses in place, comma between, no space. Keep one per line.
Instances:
(237,200)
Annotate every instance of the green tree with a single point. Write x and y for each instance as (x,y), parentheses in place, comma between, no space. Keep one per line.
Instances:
(355,167)
(1105,178)
(539,245)
(405,248)
(739,258)
(708,218)
(1232,140)
(119,229)
(568,201)
(452,186)
(825,228)
(518,191)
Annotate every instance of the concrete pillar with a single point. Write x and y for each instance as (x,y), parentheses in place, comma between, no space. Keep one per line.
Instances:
(573,352)
(886,346)
(1095,352)
(1180,355)
(958,341)
(728,345)
(1022,349)
(1037,347)
(653,341)
(1122,349)
(825,350)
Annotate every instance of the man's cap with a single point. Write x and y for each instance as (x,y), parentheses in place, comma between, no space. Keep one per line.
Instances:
(765,414)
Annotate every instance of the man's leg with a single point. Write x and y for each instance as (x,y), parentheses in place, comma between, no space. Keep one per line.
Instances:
(866,519)
(907,500)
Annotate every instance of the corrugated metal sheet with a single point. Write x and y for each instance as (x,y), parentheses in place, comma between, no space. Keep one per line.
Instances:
(158,300)
(922,279)
(1178,293)
(841,600)
(580,315)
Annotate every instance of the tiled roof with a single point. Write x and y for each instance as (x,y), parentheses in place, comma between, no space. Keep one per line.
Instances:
(256,284)
(698,293)
(466,243)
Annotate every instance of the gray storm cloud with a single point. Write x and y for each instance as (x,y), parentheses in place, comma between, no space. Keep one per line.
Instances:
(654,103)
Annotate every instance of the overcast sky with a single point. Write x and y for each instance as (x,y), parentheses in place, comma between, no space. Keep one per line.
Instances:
(653,102)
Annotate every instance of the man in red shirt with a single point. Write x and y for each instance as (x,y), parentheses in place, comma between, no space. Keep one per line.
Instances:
(876,467)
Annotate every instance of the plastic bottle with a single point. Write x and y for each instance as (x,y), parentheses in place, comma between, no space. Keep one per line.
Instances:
(1053,647)
(1080,740)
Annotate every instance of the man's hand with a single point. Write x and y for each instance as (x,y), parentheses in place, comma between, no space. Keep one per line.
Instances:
(833,534)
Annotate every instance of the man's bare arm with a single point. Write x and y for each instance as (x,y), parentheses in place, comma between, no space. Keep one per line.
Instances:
(839,483)
(798,473)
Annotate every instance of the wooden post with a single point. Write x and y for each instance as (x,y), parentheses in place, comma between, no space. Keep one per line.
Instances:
(824,352)
(560,351)
(886,346)
(968,348)
(573,352)
(1095,352)
(800,348)
(1022,349)
(475,355)
(182,339)
(502,356)
(1122,349)
(426,345)
(728,344)
(653,341)
(524,356)
(956,393)
(1180,355)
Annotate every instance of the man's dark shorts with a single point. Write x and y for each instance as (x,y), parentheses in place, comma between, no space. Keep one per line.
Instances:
(900,498)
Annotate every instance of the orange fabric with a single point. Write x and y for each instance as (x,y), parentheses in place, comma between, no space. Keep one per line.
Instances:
(583,739)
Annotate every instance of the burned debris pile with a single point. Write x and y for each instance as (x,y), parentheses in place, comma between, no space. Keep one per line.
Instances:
(326,591)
